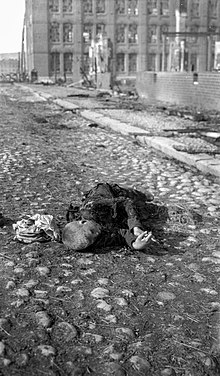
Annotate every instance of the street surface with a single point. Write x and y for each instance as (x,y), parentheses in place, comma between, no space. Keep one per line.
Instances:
(117,312)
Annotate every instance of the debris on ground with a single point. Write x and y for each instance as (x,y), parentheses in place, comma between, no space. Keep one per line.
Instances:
(36,228)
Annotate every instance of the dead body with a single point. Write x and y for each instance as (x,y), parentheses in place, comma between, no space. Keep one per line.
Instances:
(110,215)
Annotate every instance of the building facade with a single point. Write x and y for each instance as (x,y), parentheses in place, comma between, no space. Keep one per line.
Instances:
(152,35)
(9,63)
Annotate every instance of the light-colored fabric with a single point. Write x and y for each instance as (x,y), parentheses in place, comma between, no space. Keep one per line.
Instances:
(36,228)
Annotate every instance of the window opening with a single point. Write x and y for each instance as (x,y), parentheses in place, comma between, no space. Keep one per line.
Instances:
(120,33)
(120,63)
(67,32)
(68,62)
(100,6)
(132,7)
(54,32)
(132,33)
(87,6)
(54,5)
(132,62)
(120,6)
(67,6)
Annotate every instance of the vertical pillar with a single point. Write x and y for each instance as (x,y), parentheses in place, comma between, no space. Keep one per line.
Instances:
(77,40)
(142,35)
(61,74)
(163,52)
(111,24)
(209,57)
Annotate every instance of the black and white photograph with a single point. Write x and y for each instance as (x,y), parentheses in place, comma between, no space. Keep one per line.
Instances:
(109,187)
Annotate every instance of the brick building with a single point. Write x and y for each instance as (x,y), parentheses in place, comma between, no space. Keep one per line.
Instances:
(146,35)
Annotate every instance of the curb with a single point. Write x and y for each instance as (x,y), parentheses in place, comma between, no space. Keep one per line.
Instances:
(202,162)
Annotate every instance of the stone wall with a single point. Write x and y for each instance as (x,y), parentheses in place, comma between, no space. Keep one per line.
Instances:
(184,89)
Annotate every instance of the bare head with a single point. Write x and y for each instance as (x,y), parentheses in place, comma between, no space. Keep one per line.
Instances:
(78,235)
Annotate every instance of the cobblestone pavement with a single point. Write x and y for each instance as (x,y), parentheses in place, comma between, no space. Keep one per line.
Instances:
(116,313)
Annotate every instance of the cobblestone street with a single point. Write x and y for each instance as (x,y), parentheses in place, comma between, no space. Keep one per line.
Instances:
(119,312)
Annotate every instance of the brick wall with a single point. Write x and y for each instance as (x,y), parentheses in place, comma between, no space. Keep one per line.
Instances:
(179,88)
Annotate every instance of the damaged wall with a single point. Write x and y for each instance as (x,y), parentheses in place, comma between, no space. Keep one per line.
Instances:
(185,89)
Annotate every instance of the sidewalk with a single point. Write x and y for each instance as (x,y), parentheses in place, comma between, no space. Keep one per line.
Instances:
(85,103)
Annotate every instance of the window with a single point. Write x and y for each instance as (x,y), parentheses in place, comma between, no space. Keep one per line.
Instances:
(120,6)
(87,6)
(152,34)
(132,62)
(164,7)
(86,62)
(120,63)
(152,7)
(213,29)
(87,33)
(67,32)
(183,6)
(212,8)
(100,29)
(120,33)
(54,5)
(100,6)
(195,8)
(67,6)
(55,62)
(151,64)
(68,62)
(194,38)
(54,32)
(133,7)
(132,34)
(163,29)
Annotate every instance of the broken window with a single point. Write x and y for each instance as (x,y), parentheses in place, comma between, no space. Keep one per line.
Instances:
(100,6)
(55,62)
(120,6)
(120,33)
(68,62)
(132,62)
(54,32)
(163,29)
(54,5)
(100,29)
(67,32)
(164,7)
(152,34)
(87,33)
(87,6)
(152,7)
(195,8)
(67,6)
(151,63)
(133,7)
(120,63)
(132,33)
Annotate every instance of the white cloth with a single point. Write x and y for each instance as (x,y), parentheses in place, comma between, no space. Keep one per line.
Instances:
(36,228)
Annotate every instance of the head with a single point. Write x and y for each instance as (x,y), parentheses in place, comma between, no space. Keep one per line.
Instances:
(78,235)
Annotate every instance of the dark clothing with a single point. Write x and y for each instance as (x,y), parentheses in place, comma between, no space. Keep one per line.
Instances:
(118,210)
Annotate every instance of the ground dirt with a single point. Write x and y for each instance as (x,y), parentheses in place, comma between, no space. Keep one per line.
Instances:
(114,312)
